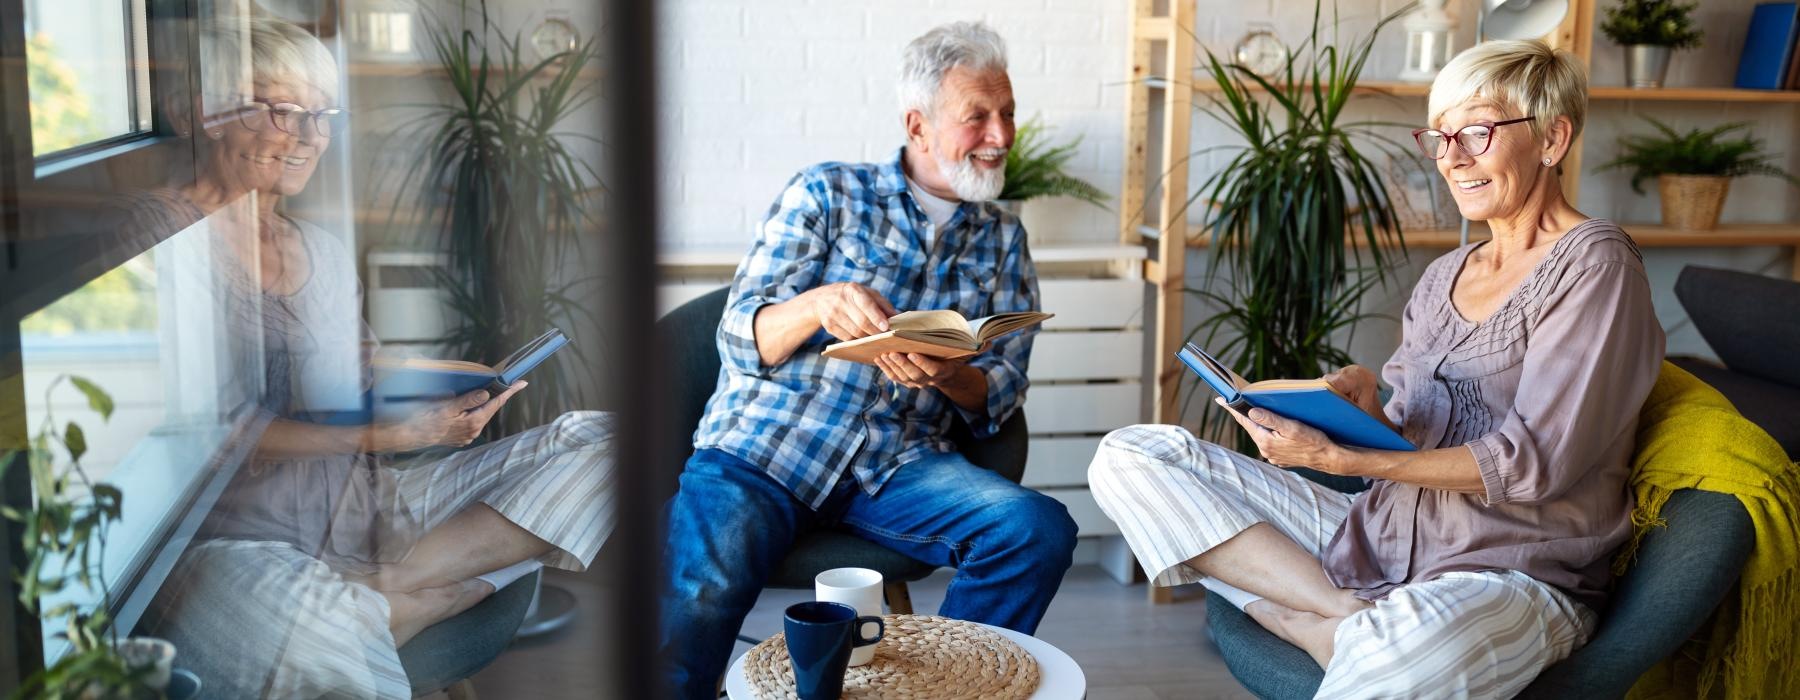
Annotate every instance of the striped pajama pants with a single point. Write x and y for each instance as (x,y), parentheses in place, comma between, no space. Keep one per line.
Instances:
(266,619)
(1465,634)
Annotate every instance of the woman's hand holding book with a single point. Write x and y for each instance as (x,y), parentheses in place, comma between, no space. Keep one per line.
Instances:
(447,423)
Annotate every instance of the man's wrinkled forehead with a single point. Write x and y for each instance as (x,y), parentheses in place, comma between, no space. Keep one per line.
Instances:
(963,88)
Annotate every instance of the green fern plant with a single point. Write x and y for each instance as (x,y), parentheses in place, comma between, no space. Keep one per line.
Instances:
(1282,214)
(1694,152)
(1035,168)
(1652,22)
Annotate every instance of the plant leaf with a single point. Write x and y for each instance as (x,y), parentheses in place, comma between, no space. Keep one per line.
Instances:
(97,398)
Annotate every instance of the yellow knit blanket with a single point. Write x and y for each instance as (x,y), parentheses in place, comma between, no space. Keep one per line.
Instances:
(1689,436)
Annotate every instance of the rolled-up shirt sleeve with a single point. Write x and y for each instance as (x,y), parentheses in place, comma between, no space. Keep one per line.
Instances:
(1004,365)
(1590,363)
(786,259)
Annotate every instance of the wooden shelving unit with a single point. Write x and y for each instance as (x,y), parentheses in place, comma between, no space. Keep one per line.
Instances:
(1604,93)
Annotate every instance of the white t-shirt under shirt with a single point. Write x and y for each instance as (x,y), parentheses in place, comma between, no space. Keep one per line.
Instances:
(937,209)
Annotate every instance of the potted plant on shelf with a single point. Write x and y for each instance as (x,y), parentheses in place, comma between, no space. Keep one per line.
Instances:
(1036,168)
(510,202)
(63,540)
(1650,30)
(1693,169)
(1282,214)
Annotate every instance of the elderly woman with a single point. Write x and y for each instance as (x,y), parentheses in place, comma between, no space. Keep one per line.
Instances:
(1473,563)
(327,552)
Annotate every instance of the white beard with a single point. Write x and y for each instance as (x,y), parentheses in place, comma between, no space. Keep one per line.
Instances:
(970,182)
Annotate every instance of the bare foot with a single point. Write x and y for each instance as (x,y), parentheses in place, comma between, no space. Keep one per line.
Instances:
(410,613)
(1310,631)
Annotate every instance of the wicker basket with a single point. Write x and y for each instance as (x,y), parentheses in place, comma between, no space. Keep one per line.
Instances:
(1692,202)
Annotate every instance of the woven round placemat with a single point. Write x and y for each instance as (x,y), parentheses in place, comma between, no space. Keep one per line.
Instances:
(920,657)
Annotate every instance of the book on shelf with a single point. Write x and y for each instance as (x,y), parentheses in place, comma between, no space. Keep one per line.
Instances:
(1310,401)
(944,335)
(1793,68)
(416,379)
(1768,46)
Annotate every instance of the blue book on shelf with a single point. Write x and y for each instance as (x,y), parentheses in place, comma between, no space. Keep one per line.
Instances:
(1764,63)
(1310,401)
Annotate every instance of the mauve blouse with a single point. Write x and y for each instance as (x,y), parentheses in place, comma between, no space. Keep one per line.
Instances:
(1545,392)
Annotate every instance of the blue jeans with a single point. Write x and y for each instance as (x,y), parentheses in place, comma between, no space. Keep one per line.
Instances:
(730,525)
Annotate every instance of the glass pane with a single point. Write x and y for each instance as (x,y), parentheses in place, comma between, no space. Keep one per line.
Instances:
(82,79)
(149,334)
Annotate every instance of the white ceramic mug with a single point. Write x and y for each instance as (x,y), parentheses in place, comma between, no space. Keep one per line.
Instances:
(857,588)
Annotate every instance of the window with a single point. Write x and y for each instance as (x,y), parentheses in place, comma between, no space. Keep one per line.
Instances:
(86,69)
(151,334)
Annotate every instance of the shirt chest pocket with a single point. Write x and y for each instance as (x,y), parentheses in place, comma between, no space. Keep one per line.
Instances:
(860,260)
(973,295)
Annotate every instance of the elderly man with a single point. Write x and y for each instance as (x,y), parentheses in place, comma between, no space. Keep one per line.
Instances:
(793,441)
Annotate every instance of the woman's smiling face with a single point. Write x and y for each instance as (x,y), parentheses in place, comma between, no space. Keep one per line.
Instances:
(253,154)
(1500,181)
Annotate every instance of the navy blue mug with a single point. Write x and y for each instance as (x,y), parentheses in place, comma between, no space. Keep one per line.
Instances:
(819,639)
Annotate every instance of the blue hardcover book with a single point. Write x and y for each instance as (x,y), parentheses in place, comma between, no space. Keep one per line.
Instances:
(1310,401)
(1763,65)
(417,380)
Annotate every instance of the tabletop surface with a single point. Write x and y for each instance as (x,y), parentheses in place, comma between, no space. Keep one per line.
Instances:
(1060,678)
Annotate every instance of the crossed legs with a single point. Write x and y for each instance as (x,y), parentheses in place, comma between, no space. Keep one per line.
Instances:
(436,580)
(1193,511)
(1298,604)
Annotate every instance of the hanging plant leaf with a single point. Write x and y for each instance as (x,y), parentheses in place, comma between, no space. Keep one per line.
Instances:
(97,398)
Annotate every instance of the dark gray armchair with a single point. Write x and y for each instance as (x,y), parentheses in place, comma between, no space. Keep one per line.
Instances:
(445,655)
(689,335)
(1753,324)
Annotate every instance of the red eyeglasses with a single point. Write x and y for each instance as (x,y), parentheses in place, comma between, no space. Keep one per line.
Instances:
(1474,138)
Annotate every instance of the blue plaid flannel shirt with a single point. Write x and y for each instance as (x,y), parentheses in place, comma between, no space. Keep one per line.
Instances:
(808,421)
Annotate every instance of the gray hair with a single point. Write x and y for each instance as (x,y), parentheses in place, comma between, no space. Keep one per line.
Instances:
(1526,77)
(931,56)
(238,52)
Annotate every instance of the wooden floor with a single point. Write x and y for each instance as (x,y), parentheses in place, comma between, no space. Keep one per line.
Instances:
(1129,649)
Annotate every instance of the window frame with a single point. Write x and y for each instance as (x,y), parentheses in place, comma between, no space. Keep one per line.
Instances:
(38,266)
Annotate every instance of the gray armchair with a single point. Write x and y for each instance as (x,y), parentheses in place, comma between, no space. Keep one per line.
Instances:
(1753,324)
(689,336)
(445,655)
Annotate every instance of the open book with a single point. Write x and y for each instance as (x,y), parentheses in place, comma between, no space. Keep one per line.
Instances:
(419,379)
(1310,401)
(941,334)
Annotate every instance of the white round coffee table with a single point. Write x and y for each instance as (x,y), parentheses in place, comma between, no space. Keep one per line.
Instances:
(1060,678)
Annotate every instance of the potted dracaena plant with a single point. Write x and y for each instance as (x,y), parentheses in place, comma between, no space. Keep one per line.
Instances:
(1693,169)
(63,540)
(1650,31)
(1036,167)
(500,179)
(1283,276)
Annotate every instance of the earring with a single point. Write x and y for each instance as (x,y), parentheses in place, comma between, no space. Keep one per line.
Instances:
(1546,161)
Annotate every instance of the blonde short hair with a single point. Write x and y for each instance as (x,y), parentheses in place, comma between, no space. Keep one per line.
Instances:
(1527,77)
(237,52)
